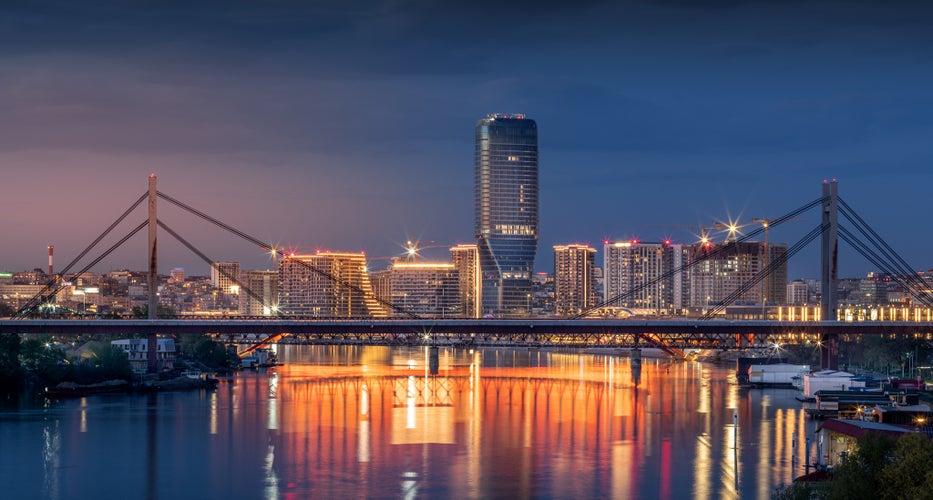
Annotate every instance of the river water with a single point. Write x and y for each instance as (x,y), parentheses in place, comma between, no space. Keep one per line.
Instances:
(373,422)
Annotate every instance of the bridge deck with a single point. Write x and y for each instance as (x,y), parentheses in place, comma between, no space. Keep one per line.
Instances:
(456,326)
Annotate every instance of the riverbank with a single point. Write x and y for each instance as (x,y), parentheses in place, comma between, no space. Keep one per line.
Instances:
(73,390)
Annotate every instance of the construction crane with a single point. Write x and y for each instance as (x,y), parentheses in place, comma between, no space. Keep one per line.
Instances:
(766,224)
(701,232)
(413,248)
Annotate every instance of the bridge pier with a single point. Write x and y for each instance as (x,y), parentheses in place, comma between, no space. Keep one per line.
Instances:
(829,351)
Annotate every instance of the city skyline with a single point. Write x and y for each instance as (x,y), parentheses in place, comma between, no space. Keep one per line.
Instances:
(349,127)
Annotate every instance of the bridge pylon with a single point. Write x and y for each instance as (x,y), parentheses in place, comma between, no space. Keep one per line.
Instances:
(829,342)
(152,362)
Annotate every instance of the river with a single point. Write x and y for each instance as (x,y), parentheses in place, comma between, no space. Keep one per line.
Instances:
(373,422)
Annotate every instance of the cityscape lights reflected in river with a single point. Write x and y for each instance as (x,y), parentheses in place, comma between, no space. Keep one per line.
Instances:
(373,422)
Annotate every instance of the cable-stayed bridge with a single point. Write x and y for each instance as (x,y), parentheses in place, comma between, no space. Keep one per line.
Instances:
(407,328)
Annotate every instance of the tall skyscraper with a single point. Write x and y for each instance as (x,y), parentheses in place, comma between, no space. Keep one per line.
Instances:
(574,289)
(506,217)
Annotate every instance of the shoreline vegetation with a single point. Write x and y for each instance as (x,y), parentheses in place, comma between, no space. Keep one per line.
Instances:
(40,366)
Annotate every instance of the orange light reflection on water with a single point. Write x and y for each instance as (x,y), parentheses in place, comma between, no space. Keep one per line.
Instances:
(510,422)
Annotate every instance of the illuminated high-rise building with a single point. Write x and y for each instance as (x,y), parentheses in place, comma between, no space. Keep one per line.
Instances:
(466,261)
(261,298)
(425,289)
(720,277)
(574,287)
(506,211)
(642,275)
(327,285)
(224,276)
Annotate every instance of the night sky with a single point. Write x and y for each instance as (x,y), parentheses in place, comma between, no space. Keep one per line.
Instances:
(348,125)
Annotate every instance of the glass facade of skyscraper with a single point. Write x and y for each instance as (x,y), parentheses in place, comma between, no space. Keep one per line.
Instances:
(506,219)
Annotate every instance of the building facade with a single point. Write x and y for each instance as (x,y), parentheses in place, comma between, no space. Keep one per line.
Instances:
(137,350)
(327,285)
(646,276)
(574,287)
(506,211)
(466,261)
(425,289)
(224,276)
(262,295)
(728,273)
(798,293)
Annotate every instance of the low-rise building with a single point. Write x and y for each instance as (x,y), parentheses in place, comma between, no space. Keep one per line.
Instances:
(837,439)
(138,352)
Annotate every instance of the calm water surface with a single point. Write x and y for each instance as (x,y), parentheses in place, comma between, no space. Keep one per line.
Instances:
(372,422)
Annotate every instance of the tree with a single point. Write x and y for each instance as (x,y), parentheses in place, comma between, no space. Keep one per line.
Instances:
(909,474)
(112,363)
(39,356)
(10,370)
(166,312)
(860,475)
(205,350)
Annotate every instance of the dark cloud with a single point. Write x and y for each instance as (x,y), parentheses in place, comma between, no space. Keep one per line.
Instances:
(350,123)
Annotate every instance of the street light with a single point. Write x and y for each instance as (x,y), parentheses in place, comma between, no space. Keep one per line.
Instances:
(732,228)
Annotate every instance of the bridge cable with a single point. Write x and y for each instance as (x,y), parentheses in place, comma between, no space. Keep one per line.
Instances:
(51,283)
(913,286)
(872,257)
(25,309)
(759,277)
(877,237)
(897,261)
(875,259)
(266,246)
(213,265)
(694,262)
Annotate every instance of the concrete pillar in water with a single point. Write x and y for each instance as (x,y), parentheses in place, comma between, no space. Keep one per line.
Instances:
(434,361)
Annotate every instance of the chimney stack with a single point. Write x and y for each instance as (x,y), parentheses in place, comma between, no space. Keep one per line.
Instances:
(51,248)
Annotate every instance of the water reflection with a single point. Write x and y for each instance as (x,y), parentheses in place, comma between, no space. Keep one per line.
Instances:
(381,422)
(51,455)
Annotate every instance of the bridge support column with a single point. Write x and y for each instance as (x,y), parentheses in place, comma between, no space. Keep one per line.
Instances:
(829,348)
(636,356)
(829,352)
(153,281)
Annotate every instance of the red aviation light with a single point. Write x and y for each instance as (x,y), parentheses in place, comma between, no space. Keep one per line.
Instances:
(667,242)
